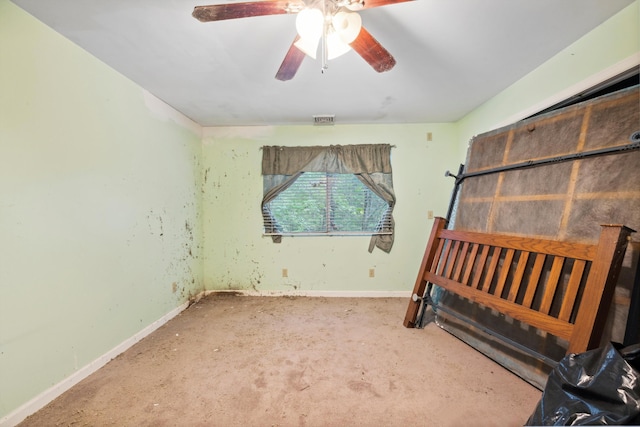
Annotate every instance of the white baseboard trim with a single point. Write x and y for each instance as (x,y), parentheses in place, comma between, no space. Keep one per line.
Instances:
(47,396)
(311,293)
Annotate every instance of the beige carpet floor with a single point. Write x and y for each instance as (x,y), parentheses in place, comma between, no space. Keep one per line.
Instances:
(295,361)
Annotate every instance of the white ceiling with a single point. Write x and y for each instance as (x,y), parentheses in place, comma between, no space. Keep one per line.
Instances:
(452,55)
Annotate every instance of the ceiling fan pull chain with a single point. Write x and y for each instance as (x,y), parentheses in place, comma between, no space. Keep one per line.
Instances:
(325,54)
(325,33)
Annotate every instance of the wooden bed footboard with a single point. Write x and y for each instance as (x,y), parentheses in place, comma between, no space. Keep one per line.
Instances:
(562,288)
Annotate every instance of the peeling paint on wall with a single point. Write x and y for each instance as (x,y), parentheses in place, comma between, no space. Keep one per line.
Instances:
(155,223)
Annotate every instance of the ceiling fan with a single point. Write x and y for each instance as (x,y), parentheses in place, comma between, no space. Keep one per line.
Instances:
(334,25)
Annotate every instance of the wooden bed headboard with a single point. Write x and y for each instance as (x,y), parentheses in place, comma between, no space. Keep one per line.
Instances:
(562,288)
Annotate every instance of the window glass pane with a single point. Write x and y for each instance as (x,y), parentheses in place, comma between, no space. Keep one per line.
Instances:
(301,207)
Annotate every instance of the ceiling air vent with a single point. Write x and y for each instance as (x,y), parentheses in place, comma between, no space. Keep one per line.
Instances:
(324,120)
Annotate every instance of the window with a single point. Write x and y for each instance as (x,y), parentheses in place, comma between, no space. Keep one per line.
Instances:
(334,190)
(327,204)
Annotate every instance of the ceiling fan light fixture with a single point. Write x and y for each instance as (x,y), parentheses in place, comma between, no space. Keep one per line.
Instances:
(310,25)
(335,46)
(308,46)
(347,25)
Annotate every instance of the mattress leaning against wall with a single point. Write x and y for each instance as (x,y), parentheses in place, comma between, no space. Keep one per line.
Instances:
(566,200)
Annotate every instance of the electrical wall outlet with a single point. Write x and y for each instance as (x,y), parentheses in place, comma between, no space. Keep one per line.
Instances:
(429,136)
(429,214)
(372,272)
(285,272)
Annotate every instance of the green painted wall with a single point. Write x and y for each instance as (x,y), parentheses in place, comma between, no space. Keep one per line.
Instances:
(99,208)
(237,256)
(610,48)
(114,209)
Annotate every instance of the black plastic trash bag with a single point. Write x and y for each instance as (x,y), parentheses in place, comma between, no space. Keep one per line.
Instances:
(597,387)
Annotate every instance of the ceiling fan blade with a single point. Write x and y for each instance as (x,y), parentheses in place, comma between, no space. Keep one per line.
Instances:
(291,62)
(220,12)
(372,51)
(368,4)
